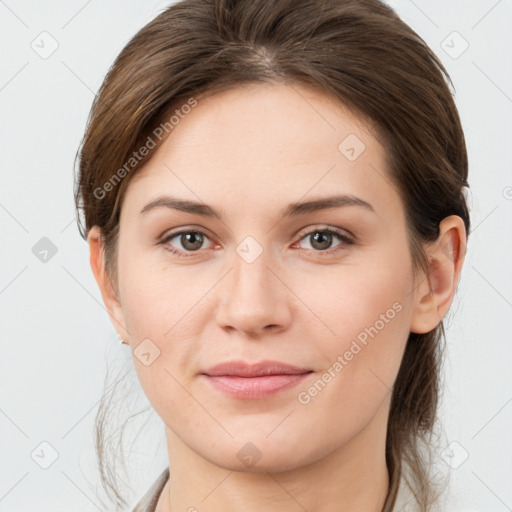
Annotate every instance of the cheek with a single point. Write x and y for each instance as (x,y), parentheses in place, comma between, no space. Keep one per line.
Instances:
(163,312)
(160,309)
(361,301)
(157,300)
(366,310)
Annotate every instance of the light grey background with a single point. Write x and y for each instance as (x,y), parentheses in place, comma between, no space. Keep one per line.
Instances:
(55,332)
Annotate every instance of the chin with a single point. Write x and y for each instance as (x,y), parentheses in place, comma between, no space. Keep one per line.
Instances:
(260,455)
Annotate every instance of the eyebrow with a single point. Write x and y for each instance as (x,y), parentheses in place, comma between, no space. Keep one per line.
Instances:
(293,209)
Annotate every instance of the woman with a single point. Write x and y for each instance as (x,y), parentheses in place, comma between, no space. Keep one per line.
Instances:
(274,201)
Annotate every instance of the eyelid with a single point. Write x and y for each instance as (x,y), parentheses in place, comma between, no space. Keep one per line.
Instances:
(344,233)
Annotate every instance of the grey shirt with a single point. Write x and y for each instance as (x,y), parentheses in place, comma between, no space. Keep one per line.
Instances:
(148,502)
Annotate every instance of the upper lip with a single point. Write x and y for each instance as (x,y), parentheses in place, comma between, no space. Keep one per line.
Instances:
(243,369)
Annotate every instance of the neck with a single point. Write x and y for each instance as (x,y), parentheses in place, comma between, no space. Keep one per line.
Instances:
(350,478)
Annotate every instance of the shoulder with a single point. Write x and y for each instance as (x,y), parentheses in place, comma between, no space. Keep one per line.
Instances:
(406,502)
(148,502)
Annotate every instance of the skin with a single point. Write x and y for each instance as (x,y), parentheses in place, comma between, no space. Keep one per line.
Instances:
(248,153)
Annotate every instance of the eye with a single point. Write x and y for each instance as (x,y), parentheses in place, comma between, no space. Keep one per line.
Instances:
(321,240)
(190,241)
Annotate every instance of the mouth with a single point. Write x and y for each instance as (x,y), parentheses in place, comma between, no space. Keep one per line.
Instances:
(253,381)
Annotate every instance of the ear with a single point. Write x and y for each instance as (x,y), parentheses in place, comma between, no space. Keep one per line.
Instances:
(434,294)
(108,293)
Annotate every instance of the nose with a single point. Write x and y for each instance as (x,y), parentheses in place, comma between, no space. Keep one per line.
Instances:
(254,299)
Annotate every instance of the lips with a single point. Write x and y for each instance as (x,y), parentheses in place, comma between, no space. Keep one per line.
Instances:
(241,380)
(243,369)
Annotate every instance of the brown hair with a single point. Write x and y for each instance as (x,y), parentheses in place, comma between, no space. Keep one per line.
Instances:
(358,51)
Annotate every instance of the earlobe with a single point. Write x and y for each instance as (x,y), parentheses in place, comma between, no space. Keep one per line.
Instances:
(110,298)
(435,292)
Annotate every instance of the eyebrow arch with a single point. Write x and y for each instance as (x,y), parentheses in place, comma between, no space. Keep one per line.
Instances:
(293,209)
(324,204)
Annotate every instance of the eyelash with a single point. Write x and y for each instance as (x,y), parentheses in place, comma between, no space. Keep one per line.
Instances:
(345,239)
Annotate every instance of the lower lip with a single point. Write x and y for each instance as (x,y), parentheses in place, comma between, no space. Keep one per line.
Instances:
(252,388)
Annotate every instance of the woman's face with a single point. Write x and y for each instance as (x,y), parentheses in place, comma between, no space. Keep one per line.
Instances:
(261,279)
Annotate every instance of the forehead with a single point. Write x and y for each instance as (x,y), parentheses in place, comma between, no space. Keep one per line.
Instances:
(261,142)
